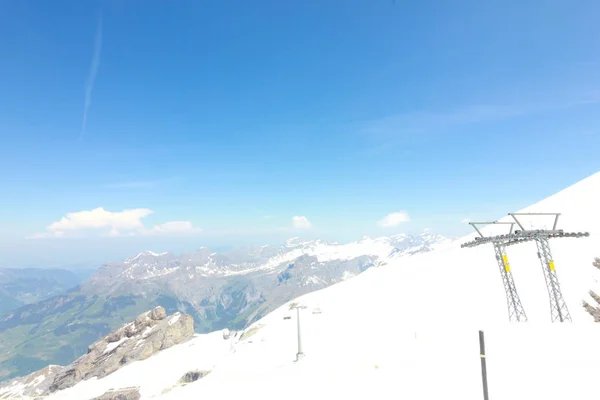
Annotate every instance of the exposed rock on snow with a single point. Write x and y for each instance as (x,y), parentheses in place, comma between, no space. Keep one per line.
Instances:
(158,314)
(150,333)
(252,331)
(121,394)
(193,376)
(31,385)
(594,311)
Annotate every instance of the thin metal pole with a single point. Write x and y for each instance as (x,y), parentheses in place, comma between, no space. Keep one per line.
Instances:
(483,365)
(300,354)
(517,221)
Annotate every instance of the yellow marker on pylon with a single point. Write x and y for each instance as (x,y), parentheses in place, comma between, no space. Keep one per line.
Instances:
(506,264)
(551,265)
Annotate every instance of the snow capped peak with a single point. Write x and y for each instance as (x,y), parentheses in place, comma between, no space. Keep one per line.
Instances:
(148,264)
(291,242)
(147,253)
(428,234)
(298,242)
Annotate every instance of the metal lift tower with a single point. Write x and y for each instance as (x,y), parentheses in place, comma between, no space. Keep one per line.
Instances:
(516,312)
(558,307)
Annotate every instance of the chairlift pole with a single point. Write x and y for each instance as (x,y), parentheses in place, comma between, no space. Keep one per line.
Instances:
(483,365)
(300,354)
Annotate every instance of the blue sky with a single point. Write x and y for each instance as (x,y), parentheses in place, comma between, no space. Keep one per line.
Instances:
(226,119)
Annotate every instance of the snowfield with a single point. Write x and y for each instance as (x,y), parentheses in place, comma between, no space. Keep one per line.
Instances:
(409,329)
(157,373)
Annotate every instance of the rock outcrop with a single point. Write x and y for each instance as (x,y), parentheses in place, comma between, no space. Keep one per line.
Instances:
(150,333)
(32,385)
(193,376)
(594,311)
(132,393)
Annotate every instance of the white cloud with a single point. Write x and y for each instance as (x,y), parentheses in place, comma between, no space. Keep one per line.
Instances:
(393,219)
(173,227)
(100,218)
(301,222)
(465,220)
(109,223)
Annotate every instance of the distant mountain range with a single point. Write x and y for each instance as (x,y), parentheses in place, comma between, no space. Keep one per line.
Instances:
(220,290)
(30,285)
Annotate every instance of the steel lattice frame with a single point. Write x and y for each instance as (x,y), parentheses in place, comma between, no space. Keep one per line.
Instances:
(516,312)
(558,306)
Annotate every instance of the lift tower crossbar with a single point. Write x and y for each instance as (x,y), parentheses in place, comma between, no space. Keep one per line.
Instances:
(516,312)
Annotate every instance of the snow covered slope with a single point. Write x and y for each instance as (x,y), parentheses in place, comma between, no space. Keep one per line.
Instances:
(158,373)
(410,330)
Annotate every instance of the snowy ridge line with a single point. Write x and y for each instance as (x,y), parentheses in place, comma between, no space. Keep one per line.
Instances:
(145,253)
(154,266)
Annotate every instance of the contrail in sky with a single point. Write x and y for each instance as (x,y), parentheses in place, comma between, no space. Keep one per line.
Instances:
(89,84)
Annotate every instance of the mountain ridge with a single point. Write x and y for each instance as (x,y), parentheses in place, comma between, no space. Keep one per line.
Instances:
(220,290)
